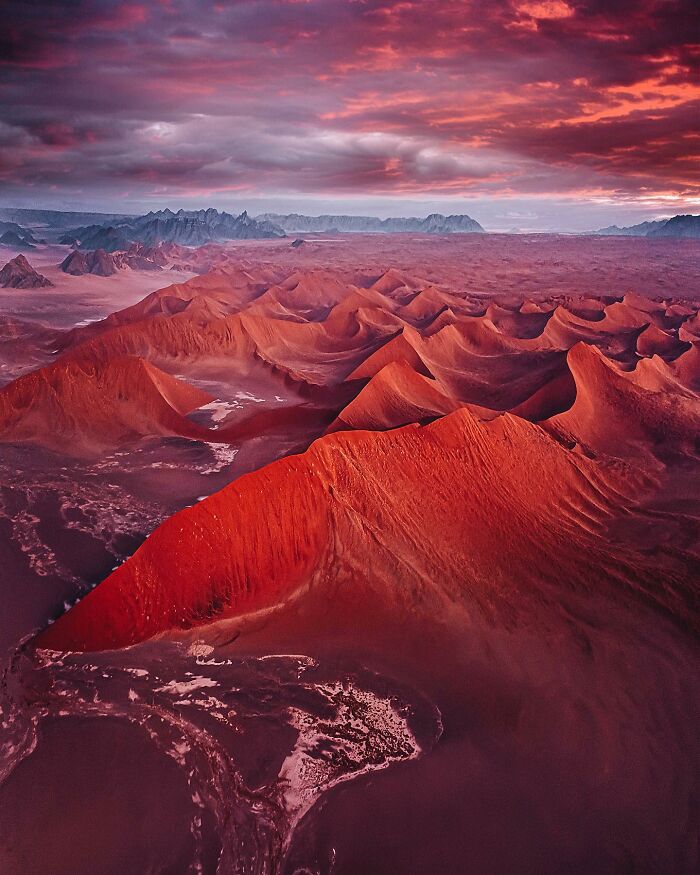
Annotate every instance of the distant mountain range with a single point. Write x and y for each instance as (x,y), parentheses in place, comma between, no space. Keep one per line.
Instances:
(50,224)
(115,232)
(198,227)
(678,226)
(187,227)
(435,223)
(14,235)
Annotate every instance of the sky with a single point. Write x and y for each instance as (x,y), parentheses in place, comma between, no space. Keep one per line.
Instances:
(529,114)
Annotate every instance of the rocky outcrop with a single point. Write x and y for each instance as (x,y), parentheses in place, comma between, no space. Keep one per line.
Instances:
(19,274)
(101,263)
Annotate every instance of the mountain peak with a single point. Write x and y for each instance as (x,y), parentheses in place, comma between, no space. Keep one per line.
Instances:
(19,274)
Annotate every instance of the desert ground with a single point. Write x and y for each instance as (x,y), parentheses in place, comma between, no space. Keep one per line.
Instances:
(353,552)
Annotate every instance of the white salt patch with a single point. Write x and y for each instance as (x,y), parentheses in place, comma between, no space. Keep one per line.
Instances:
(220,409)
(178,752)
(181,688)
(299,658)
(379,737)
(224,454)
(248,396)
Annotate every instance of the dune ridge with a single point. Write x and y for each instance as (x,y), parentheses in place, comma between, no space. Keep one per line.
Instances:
(515,519)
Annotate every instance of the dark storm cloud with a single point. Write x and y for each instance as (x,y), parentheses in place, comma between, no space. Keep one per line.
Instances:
(381,96)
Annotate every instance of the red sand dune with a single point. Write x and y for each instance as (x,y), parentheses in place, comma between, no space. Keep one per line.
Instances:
(687,367)
(655,341)
(515,323)
(81,407)
(611,382)
(614,415)
(400,348)
(508,510)
(526,558)
(690,329)
(397,395)
(327,335)
(555,396)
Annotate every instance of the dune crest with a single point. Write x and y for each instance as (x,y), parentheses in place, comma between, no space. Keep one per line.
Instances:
(336,520)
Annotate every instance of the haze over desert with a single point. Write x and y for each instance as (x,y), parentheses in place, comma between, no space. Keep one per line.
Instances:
(349,438)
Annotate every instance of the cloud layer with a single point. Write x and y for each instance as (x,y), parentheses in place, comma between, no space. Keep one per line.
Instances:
(183,99)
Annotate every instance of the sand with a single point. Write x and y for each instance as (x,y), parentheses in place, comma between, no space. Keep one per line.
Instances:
(455,474)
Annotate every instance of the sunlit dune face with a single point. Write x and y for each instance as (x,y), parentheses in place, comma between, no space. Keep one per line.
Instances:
(510,98)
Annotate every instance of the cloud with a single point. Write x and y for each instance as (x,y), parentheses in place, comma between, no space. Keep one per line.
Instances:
(324,97)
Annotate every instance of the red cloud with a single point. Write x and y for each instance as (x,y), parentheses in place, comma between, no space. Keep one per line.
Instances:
(548,96)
